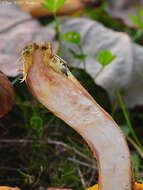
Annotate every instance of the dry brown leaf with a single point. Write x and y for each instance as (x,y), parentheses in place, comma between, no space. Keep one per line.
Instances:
(121,9)
(6,95)
(70,6)
(17,28)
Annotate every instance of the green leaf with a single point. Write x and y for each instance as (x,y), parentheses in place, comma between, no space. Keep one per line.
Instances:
(53,5)
(36,122)
(49,4)
(125,130)
(102,7)
(78,56)
(72,37)
(105,57)
(59,3)
(28,127)
(136,162)
(140,13)
(137,21)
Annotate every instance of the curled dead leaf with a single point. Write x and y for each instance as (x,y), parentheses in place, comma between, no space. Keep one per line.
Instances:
(70,6)
(6,95)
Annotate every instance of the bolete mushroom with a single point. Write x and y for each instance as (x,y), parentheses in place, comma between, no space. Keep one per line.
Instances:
(51,82)
(7,98)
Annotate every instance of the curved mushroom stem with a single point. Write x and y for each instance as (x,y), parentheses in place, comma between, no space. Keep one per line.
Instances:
(56,88)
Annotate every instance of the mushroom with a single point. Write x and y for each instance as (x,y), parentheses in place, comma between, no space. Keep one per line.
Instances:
(7,98)
(51,82)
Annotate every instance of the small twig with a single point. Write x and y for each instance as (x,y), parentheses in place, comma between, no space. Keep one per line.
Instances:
(94,171)
(100,70)
(16,141)
(38,178)
(9,169)
(59,143)
(135,146)
(82,163)
(70,148)
(82,179)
